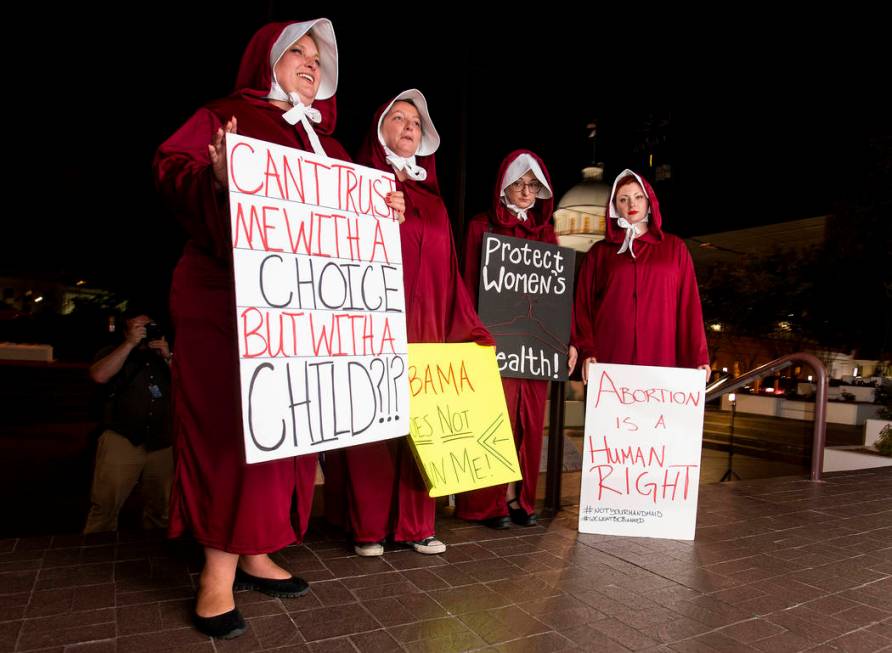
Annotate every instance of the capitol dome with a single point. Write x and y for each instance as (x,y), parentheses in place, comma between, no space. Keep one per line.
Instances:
(579,219)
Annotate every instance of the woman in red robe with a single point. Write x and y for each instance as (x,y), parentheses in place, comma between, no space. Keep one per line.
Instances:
(521,208)
(387,494)
(636,295)
(284,94)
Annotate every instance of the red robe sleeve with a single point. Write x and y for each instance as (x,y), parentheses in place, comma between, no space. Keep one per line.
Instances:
(583,322)
(185,180)
(473,243)
(465,324)
(691,348)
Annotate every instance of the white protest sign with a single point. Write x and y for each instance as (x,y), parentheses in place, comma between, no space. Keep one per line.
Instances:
(641,454)
(319,301)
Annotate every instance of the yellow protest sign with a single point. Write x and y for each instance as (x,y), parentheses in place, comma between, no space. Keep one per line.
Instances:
(459,427)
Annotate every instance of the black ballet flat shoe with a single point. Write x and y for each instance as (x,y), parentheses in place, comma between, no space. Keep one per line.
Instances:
(520,516)
(497,523)
(287,588)
(228,625)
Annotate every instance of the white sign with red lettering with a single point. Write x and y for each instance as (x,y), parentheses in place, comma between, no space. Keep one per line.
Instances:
(319,301)
(641,454)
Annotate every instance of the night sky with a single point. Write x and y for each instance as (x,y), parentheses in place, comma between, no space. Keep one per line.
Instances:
(763,118)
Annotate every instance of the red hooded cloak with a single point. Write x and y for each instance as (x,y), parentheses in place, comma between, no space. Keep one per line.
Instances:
(226,503)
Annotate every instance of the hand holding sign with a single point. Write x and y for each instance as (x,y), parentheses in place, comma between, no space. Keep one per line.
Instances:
(586,365)
(397,201)
(217,152)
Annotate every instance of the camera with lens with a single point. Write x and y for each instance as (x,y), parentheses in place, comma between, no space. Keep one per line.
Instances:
(153,331)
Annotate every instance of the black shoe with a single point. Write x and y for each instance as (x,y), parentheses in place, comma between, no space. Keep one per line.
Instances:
(288,588)
(520,516)
(497,523)
(224,626)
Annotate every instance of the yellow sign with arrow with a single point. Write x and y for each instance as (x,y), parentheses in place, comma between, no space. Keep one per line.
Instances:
(459,427)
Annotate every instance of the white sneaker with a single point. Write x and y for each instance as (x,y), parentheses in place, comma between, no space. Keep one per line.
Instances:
(429,546)
(368,549)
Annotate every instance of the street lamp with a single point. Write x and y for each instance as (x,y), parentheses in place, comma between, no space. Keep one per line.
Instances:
(730,474)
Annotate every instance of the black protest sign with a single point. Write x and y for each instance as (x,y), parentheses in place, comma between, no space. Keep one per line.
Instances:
(526,294)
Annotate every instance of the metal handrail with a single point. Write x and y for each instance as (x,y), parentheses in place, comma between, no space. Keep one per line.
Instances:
(819,437)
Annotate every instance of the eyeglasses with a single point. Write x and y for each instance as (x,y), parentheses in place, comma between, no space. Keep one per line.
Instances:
(519,185)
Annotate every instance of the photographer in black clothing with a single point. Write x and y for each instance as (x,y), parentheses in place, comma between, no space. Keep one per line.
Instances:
(135,441)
